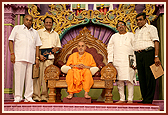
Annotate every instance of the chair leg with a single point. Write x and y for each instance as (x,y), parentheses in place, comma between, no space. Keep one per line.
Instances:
(108,91)
(52,95)
(108,95)
(58,95)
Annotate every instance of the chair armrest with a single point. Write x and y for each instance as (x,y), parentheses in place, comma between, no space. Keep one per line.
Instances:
(60,63)
(108,73)
(101,65)
(97,74)
(51,72)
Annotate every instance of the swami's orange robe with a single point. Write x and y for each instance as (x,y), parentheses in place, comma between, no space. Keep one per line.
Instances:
(76,78)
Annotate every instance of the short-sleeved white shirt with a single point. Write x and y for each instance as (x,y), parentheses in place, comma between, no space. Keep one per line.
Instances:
(145,37)
(25,42)
(49,40)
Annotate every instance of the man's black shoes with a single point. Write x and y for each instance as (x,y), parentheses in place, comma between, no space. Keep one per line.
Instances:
(43,100)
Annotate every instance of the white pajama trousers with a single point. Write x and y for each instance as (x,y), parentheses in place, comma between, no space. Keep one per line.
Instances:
(130,87)
(23,74)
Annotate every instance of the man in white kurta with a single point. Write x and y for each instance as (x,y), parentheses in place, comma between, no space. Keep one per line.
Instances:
(119,48)
(26,43)
(50,39)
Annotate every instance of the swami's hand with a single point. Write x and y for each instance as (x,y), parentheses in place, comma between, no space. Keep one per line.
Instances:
(80,66)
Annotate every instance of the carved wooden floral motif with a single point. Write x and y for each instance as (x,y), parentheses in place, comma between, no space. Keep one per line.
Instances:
(108,73)
(65,18)
(52,72)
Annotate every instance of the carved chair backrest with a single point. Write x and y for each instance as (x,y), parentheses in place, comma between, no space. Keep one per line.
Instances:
(90,41)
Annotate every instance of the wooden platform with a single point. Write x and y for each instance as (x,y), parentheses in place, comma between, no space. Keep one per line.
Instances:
(76,100)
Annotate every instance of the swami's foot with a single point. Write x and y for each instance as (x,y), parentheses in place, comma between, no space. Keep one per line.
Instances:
(69,96)
(87,96)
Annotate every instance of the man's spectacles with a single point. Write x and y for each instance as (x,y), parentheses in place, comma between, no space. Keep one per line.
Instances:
(139,19)
(120,25)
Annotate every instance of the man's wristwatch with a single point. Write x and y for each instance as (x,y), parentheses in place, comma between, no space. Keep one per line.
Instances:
(156,56)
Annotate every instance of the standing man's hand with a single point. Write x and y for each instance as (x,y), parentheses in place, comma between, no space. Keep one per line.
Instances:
(13,58)
(37,62)
(55,49)
(42,58)
(157,61)
(12,52)
(110,64)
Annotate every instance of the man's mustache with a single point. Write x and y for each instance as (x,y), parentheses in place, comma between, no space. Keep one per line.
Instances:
(121,28)
(81,49)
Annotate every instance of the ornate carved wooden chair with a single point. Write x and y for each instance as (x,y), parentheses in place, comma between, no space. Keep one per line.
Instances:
(103,79)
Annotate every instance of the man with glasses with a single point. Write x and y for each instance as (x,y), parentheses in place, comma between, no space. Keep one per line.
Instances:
(146,46)
(119,48)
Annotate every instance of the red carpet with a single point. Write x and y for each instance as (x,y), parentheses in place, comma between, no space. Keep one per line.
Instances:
(94,106)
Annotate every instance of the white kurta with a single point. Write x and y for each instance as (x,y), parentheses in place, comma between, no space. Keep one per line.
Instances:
(25,42)
(119,48)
